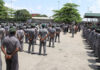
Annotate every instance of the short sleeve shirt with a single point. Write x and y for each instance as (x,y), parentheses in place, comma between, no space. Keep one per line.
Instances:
(20,34)
(11,43)
(43,32)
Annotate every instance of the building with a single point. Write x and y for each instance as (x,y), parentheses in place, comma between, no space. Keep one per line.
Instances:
(42,20)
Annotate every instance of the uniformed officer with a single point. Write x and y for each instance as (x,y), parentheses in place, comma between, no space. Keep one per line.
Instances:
(72,30)
(20,36)
(36,34)
(26,34)
(58,30)
(0,57)
(12,45)
(43,34)
(31,37)
(52,33)
(65,28)
(2,33)
(7,30)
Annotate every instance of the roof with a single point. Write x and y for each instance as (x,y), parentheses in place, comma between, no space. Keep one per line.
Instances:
(33,15)
(43,18)
(92,15)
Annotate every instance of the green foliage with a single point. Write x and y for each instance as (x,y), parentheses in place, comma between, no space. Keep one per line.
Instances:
(67,14)
(22,15)
(10,12)
(3,11)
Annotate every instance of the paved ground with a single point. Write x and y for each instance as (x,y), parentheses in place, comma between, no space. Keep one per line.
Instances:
(70,54)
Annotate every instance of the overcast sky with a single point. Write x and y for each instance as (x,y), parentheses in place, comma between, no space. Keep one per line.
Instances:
(46,6)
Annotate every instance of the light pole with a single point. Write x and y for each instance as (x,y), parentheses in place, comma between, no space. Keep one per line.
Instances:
(58,4)
(70,1)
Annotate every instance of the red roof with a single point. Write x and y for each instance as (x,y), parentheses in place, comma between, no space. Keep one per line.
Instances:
(33,15)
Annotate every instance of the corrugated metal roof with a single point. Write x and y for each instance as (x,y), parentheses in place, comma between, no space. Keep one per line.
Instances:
(46,18)
(92,15)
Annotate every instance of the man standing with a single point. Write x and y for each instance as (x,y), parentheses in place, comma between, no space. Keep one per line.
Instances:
(52,33)
(73,30)
(31,37)
(43,34)
(26,34)
(2,33)
(58,30)
(12,45)
(20,36)
(0,59)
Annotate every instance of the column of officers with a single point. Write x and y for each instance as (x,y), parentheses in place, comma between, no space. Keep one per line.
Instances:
(12,39)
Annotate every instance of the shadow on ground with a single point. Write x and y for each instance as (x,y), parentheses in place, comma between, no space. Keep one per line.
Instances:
(90,53)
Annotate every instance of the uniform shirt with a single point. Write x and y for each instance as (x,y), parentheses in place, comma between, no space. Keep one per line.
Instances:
(7,30)
(52,30)
(43,32)
(2,32)
(36,31)
(58,29)
(26,31)
(11,43)
(31,33)
(20,34)
(49,29)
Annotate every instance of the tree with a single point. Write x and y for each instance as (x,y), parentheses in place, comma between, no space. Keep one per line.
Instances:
(10,12)
(67,14)
(3,11)
(22,15)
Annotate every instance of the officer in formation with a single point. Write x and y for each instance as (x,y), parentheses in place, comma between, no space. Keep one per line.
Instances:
(20,36)
(72,30)
(58,30)
(43,34)
(65,28)
(12,37)
(36,33)
(12,45)
(0,57)
(26,34)
(52,32)
(31,38)
(91,32)
(2,33)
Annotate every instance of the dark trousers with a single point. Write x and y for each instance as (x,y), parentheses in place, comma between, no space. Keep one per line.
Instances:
(12,64)
(57,36)
(31,43)
(51,40)
(26,39)
(42,44)
(21,43)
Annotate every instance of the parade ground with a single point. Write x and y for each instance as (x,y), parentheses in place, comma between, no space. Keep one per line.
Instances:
(69,54)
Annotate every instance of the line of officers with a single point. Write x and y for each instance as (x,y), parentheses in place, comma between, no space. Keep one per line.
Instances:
(12,40)
(92,34)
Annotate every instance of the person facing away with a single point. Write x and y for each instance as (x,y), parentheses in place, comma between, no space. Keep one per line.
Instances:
(43,34)
(12,45)
(52,33)
(20,36)
(31,37)
(58,30)
(0,57)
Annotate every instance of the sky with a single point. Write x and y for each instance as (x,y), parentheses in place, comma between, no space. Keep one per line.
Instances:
(46,6)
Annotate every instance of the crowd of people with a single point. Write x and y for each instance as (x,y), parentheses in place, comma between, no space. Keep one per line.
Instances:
(91,32)
(12,36)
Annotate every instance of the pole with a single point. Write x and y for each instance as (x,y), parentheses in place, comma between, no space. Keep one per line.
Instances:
(58,4)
